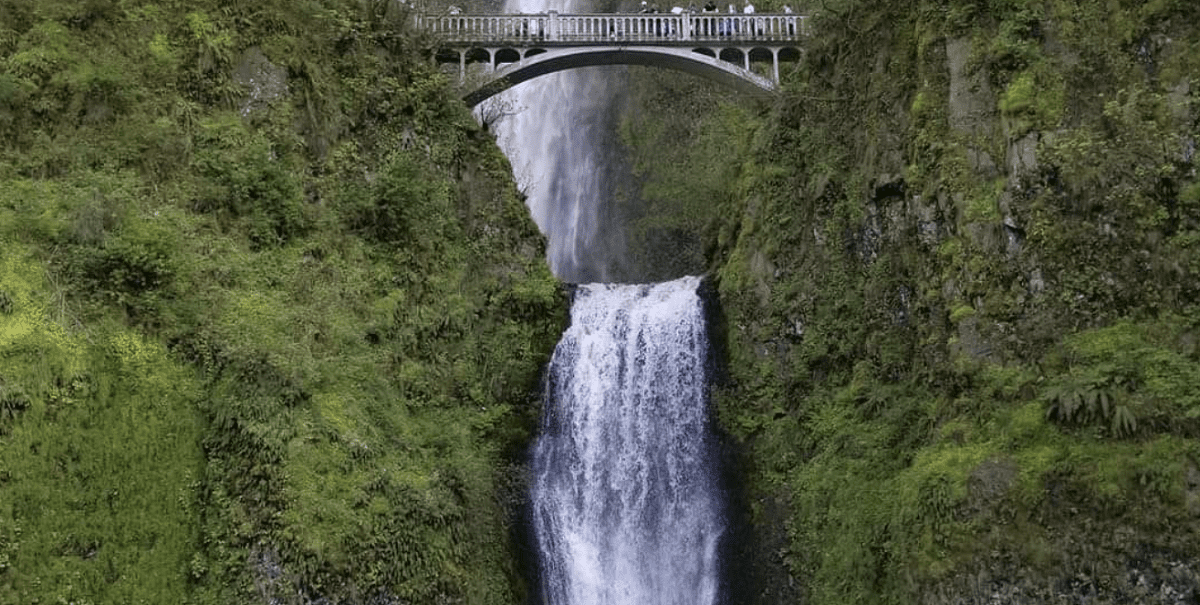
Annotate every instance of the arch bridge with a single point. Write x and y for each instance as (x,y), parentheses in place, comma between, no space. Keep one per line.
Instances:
(515,48)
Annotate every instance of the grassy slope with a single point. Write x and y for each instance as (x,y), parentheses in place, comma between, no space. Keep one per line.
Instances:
(252,345)
(960,302)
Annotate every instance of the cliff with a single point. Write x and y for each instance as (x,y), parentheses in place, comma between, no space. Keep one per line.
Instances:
(959,269)
(272,314)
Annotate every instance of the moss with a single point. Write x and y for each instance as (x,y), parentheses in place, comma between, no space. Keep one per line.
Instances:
(99,461)
(961,312)
(294,337)
(1034,100)
(912,449)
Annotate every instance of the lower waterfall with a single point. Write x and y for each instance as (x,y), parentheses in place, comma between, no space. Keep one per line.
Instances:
(625,497)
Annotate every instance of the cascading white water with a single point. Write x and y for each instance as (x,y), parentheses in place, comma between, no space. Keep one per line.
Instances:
(625,505)
(549,138)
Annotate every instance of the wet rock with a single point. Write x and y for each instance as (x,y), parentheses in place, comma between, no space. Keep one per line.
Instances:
(1022,157)
(971,341)
(971,101)
(264,81)
(982,163)
(989,482)
(1014,237)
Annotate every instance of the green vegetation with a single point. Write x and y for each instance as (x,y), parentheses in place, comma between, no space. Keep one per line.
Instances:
(272,315)
(957,263)
(99,442)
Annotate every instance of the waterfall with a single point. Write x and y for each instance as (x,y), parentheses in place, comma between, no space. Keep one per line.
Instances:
(624,498)
(554,133)
(625,504)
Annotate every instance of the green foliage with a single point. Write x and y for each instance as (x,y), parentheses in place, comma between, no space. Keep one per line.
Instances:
(1122,373)
(682,188)
(1087,405)
(1034,99)
(304,335)
(962,348)
(99,443)
(248,183)
(404,207)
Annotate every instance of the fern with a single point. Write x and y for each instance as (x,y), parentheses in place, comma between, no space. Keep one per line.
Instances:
(1124,424)
(1084,406)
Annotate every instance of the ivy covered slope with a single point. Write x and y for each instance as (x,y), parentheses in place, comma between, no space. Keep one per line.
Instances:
(959,263)
(961,280)
(271,312)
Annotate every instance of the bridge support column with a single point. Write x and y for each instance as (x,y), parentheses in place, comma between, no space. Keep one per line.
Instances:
(775,64)
(462,67)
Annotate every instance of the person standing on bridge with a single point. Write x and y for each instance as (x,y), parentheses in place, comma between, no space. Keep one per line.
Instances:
(753,26)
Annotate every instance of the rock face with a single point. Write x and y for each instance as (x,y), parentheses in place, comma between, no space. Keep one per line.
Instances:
(273,316)
(264,81)
(940,338)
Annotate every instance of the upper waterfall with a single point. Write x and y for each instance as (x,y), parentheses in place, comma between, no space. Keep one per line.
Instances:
(557,135)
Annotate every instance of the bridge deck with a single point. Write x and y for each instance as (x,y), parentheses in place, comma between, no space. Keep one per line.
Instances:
(615,29)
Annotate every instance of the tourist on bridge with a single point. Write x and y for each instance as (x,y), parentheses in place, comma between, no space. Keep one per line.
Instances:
(710,6)
(754,26)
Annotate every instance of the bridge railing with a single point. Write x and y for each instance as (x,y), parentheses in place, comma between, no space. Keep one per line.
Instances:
(615,28)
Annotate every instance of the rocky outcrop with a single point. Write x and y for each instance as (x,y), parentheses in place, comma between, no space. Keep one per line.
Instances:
(941,367)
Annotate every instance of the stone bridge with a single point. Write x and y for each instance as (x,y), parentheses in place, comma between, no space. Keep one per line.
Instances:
(518,47)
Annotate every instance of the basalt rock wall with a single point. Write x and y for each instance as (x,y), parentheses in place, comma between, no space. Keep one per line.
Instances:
(958,264)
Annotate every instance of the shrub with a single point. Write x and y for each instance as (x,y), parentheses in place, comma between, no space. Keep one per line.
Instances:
(250,183)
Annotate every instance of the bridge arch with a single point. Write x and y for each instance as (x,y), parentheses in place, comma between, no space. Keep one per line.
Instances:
(700,62)
(731,55)
(518,47)
(478,55)
(507,55)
